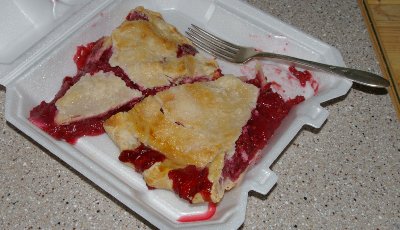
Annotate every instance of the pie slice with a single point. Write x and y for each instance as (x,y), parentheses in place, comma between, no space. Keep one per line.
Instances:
(93,95)
(153,53)
(82,104)
(192,127)
(199,139)
(144,55)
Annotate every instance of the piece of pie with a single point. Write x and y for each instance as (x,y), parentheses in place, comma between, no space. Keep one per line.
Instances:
(142,56)
(199,139)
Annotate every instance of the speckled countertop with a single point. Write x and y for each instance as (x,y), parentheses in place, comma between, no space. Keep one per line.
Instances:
(345,175)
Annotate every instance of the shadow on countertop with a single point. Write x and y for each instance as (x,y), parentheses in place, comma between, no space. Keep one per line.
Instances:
(369,90)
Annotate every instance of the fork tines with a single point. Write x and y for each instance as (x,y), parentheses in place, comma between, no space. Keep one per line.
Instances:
(212,44)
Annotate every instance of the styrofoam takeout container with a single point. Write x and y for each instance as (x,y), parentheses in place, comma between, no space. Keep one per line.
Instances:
(33,71)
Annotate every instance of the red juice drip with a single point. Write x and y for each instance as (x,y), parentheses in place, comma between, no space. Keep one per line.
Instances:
(189,181)
(212,208)
(142,157)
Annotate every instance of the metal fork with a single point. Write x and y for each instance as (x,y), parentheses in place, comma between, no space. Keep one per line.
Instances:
(240,54)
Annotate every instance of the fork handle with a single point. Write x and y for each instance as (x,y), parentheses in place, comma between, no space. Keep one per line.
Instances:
(359,76)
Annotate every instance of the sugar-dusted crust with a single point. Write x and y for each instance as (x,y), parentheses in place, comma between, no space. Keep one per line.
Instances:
(147,52)
(93,95)
(191,124)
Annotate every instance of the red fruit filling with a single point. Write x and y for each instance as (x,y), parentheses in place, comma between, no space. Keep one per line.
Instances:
(142,157)
(189,181)
(271,109)
(185,49)
(303,76)
(135,15)
(82,53)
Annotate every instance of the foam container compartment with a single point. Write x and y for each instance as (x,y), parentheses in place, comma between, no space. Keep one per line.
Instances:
(39,75)
(28,21)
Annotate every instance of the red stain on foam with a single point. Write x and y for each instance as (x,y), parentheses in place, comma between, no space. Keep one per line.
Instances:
(304,77)
(259,42)
(278,87)
(212,208)
(278,71)
(315,86)
(247,70)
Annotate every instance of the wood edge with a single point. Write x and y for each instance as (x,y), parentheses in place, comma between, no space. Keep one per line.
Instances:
(385,68)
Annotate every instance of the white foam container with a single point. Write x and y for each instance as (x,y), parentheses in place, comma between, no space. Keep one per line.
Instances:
(33,71)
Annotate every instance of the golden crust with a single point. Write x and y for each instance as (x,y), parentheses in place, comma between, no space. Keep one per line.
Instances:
(192,124)
(147,52)
(121,131)
(92,96)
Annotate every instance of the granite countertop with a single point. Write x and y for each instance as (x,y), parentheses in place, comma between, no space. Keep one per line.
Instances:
(344,175)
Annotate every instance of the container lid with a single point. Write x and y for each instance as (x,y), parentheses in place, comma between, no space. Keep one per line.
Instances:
(24,23)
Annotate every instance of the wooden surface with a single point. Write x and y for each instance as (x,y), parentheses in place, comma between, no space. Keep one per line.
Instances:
(383,21)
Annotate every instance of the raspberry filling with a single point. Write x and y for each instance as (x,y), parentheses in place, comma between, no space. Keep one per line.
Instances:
(185,49)
(82,54)
(189,181)
(303,76)
(270,110)
(135,15)
(186,182)
(142,157)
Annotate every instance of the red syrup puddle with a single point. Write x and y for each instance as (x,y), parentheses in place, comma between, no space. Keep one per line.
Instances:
(212,208)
